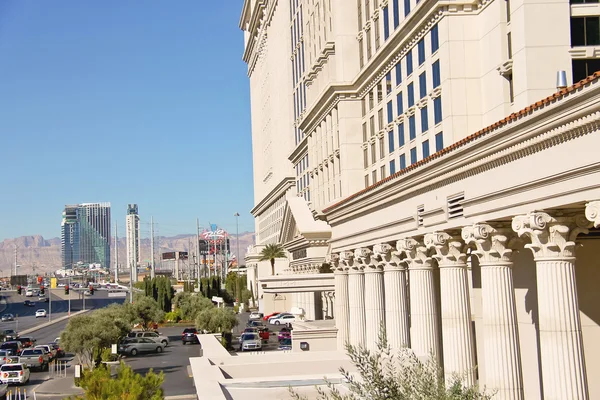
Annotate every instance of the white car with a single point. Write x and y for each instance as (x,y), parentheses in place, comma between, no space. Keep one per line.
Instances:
(255,315)
(40,313)
(29,293)
(282,319)
(14,373)
(250,341)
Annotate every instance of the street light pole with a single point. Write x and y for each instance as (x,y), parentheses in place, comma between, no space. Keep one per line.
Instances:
(70,293)
(237,236)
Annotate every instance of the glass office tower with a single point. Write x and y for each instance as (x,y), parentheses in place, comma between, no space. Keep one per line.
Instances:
(86,235)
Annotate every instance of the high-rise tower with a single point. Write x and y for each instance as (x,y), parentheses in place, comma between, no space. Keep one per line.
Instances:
(133,240)
(85,234)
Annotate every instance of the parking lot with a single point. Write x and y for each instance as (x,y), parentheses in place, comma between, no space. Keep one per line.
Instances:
(272,344)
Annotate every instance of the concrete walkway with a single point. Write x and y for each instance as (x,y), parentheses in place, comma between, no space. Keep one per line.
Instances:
(58,387)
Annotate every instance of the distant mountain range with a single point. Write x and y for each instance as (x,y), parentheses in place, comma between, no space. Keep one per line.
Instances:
(44,254)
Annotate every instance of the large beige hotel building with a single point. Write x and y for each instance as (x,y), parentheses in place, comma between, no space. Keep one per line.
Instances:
(435,157)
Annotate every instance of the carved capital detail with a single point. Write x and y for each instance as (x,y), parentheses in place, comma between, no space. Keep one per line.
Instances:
(551,237)
(448,249)
(491,243)
(335,262)
(386,256)
(413,253)
(347,258)
(592,213)
(362,256)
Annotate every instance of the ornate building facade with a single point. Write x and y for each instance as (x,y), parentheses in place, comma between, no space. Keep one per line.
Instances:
(430,168)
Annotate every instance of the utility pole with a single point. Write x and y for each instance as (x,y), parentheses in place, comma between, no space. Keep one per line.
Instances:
(237,257)
(16,252)
(198,251)
(152,270)
(116,253)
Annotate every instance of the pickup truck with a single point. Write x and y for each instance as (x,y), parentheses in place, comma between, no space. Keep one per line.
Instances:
(34,358)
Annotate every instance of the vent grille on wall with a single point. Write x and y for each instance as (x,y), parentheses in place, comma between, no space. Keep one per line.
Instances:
(455,206)
(420,211)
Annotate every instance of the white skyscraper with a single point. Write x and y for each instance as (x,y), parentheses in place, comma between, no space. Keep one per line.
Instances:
(133,240)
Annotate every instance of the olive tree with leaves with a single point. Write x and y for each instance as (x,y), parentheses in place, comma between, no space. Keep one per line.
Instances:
(271,252)
(386,374)
(216,320)
(87,335)
(190,304)
(144,310)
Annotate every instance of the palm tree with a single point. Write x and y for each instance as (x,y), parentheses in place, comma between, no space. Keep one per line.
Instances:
(271,252)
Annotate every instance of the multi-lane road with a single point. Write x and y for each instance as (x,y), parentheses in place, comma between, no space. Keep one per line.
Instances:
(173,362)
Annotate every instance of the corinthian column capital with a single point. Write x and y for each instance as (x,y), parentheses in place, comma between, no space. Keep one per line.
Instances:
(347,259)
(592,213)
(385,255)
(362,255)
(414,253)
(448,249)
(491,243)
(335,262)
(551,236)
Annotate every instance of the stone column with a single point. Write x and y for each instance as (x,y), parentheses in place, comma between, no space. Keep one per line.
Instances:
(561,345)
(396,297)
(457,333)
(356,302)
(501,337)
(374,297)
(342,310)
(310,306)
(424,330)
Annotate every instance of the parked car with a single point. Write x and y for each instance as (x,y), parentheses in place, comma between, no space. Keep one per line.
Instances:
(27,341)
(133,346)
(250,341)
(49,349)
(59,352)
(10,334)
(14,373)
(279,315)
(283,319)
(29,303)
(282,335)
(266,317)
(13,347)
(29,293)
(255,315)
(247,330)
(8,317)
(41,313)
(43,298)
(189,336)
(3,357)
(264,333)
(155,336)
(255,324)
(285,344)
(35,359)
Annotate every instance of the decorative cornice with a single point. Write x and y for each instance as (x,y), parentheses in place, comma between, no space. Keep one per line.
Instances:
(280,189)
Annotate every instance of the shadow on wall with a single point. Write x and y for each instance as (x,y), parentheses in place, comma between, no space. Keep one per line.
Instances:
(587,273)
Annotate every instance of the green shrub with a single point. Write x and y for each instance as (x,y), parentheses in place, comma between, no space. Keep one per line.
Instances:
(173,316)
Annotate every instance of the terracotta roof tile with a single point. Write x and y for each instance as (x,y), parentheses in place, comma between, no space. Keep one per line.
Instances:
(504,121)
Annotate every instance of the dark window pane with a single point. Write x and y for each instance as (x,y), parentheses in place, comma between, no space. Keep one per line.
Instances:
(402,162)
(409,63)
(412,129)
(411,95)
(425,145)
(386,23)
(421,50)
(392,167)
(413,155)
(424,120)
(437,110)
(592,31)
(439,141)
(399,105)
(400,135)
(435,41)
(406,7)
(435,70)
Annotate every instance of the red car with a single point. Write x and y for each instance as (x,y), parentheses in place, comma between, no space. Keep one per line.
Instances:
(266,317)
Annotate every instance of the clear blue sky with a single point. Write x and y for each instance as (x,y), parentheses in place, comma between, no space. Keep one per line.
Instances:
(137,101)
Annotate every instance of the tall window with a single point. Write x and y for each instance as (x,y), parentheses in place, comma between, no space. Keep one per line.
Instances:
(439,141)
(409,63)
(511,88)
(412,129)
(398,73)
(365,158)
(381,148)
(390,112)
(406,7)
(399,105)
(423,85)
(392,167)
(386,23)
(435,72)
(401,135)
(435,40)
(367,10)
(368,39)
(380,119)
(374,176)
(425,146)
(396,12)
(372,125)
(585,31)
(364,130)
(388,83)
(437,110)
(424,120)
(360,25)
(382,172)
(373,153)
(402,161)
(391,141)
(376,23)
(411,95)
(584,68)
(421,51)
(361,53)
(366,181)
(413,155)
